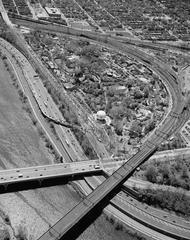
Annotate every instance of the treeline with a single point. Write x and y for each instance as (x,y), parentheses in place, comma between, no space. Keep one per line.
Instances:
(164,199)
(174,174)
(85,144)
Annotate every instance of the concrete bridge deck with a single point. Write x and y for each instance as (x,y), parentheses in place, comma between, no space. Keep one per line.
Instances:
(24,175)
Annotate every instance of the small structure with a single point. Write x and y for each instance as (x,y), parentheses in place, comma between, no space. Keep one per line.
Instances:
(143,114)
(53,12)
(39,11)
(101,115)
(118,89)
(69,86)
(102,118)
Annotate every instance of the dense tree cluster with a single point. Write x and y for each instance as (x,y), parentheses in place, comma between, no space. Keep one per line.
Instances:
(175,143)
(172,201)
(126,90)
(175,174)
(86,145)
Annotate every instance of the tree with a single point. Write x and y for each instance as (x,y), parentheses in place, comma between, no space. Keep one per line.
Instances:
(151,174)
(165,171)
(149,126)
(133,105)
(83,43)
(146,92)
(119,127)
(184,174)
(129,83)
(138,94)
(91,52)
(117,112)
(126,102)
(95,68)
(135,130)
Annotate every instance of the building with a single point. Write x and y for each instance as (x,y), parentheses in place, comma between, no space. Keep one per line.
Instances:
(101,115)
(53,12)
(40,12)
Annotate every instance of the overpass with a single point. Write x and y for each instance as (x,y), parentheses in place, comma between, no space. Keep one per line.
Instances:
(19,176)
(40,173)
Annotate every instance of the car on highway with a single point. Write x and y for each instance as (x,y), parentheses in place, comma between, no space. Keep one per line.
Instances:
(97,166)
(67,142)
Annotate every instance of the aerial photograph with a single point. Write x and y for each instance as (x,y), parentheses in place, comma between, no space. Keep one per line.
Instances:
(94,119)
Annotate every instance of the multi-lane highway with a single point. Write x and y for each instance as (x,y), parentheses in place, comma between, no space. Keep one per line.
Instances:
(24,175)
(161,134)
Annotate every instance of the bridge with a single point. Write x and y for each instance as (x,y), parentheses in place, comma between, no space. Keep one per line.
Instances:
(39,173)
(68,171)
(80,169)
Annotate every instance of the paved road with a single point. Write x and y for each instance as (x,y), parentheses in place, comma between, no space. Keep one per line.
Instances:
(25,175)
(4,14)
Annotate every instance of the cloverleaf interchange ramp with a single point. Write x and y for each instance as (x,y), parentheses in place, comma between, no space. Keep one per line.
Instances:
(148,147)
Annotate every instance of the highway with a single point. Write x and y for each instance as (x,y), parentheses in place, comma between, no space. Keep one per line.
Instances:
(161,134)
(24,175)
